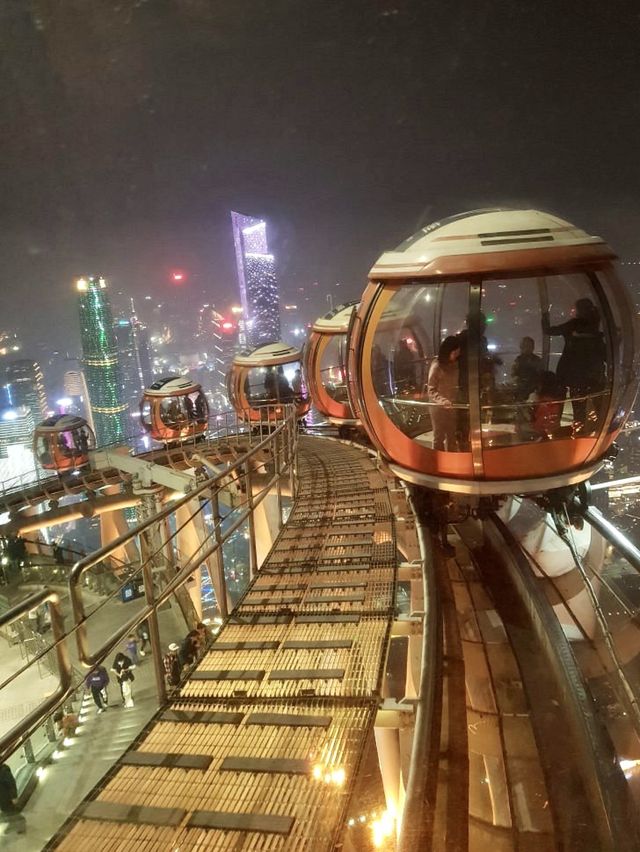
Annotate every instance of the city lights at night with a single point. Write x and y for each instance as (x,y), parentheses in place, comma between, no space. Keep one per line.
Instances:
(257,280)
(320,521)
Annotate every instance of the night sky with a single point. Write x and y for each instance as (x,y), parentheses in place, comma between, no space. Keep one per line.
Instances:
(130,129)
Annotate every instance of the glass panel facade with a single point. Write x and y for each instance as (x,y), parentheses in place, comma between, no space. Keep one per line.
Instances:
(333,373)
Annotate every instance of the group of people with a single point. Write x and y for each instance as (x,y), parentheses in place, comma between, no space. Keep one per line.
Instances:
(97,682)
(178,657)
(190,411)
(277,388)
(581,371)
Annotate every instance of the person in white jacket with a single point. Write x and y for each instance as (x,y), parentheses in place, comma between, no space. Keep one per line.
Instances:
(442,389)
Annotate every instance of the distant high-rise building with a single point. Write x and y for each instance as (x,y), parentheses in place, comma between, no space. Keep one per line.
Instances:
(219,334)
(25,387)
(100,360)
(257,280)
(75,385)
(75,389)
(135,357)
(16,430)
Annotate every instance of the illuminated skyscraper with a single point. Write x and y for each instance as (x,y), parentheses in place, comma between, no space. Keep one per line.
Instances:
(218,336)
(100,359)
(16,430)
(257,280)
(25,387)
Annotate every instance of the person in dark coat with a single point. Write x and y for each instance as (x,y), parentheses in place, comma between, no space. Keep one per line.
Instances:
(486,366)
(526,370)
(582,365)
(8,790)
(404,366)
(189,648)
(96,682)
(283,388)
(172,666)
(205,637)
(9,799)
(142,632)
(122,666)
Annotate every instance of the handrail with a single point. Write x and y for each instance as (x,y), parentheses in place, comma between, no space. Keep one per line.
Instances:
(67,549)
(416,827)
(26,726)
(218,427)
(52,598)
(288,425)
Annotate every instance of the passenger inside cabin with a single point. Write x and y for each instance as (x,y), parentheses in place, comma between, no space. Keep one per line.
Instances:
(526,369)
(442,389)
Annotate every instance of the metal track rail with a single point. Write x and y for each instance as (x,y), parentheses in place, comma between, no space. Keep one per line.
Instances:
(587,794)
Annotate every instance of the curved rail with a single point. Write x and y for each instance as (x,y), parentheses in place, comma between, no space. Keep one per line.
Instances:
(594,761)
(207,495)
(19,494)
(417,819)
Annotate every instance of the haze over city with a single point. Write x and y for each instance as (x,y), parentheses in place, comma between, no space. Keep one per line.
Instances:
(319,426)
(133,128)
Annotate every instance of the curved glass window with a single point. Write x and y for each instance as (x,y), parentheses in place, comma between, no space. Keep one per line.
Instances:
(333,373)
(283,383)
(42,449)
(145,413)
(417,367)
(507,361)
(173,412)
(549,352)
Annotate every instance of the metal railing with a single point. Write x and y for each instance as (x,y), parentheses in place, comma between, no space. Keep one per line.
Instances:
(222,426)
(39,713)
(218,507)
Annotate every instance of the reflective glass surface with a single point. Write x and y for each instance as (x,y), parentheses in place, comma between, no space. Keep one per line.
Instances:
(180,411)
(506,361)
(332,368)
(283,383)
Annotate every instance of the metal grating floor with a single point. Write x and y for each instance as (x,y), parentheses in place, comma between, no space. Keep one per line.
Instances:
(275,717)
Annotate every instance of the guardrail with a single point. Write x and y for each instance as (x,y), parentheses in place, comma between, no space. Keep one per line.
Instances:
(243,485)
(38,714)
(222,425)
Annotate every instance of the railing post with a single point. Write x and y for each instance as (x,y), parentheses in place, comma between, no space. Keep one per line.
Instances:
(28,745)
(253,553)
(154,631)
(280,441)
(291,440)
(219,555)
(148,546)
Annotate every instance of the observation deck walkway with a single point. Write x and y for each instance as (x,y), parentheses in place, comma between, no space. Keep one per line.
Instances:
(261,747)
